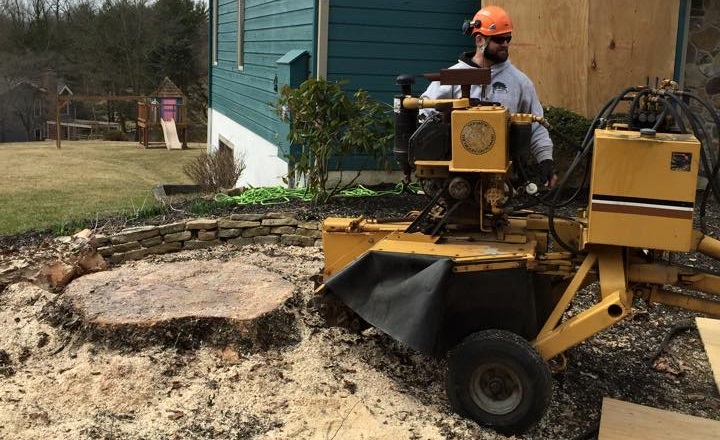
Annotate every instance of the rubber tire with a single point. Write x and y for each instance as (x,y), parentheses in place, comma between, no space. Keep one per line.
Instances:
(513,353)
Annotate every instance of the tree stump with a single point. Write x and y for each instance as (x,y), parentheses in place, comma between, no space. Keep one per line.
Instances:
(185,304)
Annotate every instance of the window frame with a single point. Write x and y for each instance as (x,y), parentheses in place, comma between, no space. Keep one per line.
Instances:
(240,49)
(214,33)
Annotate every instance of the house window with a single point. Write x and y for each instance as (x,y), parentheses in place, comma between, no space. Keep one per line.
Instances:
(37,108)
(240,33)
(214,41)
(224,145)
(224,148)
(38,134)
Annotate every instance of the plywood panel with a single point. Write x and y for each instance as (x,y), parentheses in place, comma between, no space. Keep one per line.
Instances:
(710,334)
(550,46)
(580,53)
(628,421)
(628,41)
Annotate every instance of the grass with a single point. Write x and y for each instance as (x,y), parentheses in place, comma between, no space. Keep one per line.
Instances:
(43,187)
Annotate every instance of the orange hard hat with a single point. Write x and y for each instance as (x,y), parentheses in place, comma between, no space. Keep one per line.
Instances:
(489,21)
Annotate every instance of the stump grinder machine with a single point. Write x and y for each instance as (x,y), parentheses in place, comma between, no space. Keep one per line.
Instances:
(483,280)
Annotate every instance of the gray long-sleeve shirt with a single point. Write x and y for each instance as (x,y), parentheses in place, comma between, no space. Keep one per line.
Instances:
(511,88)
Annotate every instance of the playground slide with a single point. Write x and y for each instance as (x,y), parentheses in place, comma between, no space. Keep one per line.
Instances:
(170,133)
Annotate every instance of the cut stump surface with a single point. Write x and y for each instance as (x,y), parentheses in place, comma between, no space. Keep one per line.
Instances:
(148,294)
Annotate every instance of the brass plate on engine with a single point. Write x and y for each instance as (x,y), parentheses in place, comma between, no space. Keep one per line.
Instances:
(477,137)
(480,140)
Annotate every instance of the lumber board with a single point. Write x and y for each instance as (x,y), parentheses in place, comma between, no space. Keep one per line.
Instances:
(68,98)
(710,334)
(629,41)
(581,53)
(555,56)
(629,421)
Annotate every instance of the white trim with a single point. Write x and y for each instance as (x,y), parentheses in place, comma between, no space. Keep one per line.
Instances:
(263,167)
(643,205)
(226,141)
(208,135)
(322,38)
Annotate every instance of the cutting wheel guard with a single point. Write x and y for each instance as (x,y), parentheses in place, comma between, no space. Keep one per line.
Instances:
(421,302)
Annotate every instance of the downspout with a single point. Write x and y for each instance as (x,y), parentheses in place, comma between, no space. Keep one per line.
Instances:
(211,13)
(682,41)
(321,52)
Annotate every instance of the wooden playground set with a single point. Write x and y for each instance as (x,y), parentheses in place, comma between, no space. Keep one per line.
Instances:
(161,118)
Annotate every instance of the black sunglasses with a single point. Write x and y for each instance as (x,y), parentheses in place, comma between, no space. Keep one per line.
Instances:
(501,40)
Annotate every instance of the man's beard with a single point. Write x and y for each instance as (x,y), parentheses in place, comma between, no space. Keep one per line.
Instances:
(497,56)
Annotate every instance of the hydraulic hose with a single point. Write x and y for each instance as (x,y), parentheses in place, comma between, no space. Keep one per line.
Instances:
(579,149)
(713,177)
(672,105)
(713,112)
(704,137)
(543,199)
(676,116)
(586,148)
(710,169)
(634,104)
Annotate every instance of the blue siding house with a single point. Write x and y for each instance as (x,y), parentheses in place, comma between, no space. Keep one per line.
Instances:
(258,46)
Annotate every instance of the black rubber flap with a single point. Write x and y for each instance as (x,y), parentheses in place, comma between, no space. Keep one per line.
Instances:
(418,300)
(401,294)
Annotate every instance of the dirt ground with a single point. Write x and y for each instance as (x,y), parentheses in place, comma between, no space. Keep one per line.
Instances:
(58,381)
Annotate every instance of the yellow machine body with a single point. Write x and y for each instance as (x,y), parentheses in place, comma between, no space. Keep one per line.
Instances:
(344,239)
(343,243)
(642,200)
(471,264)
(642,192)
(642,196)
(479,140)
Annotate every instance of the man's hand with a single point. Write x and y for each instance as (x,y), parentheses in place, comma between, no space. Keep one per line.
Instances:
(547,170)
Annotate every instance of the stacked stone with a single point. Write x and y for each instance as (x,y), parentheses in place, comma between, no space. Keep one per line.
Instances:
(237,230)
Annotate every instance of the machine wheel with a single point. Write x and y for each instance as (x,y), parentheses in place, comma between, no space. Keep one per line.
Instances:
(498,379)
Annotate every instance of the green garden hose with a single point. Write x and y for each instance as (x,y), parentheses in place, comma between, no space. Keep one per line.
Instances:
(277,194)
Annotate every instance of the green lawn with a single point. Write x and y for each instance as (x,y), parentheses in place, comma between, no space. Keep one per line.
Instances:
(43,186)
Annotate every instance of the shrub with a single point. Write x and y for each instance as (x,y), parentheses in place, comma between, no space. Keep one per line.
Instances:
(67,227)
(216,170)
(327,122)
(202,207)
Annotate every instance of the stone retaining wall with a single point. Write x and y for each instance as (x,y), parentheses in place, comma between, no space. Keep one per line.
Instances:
(238,230)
